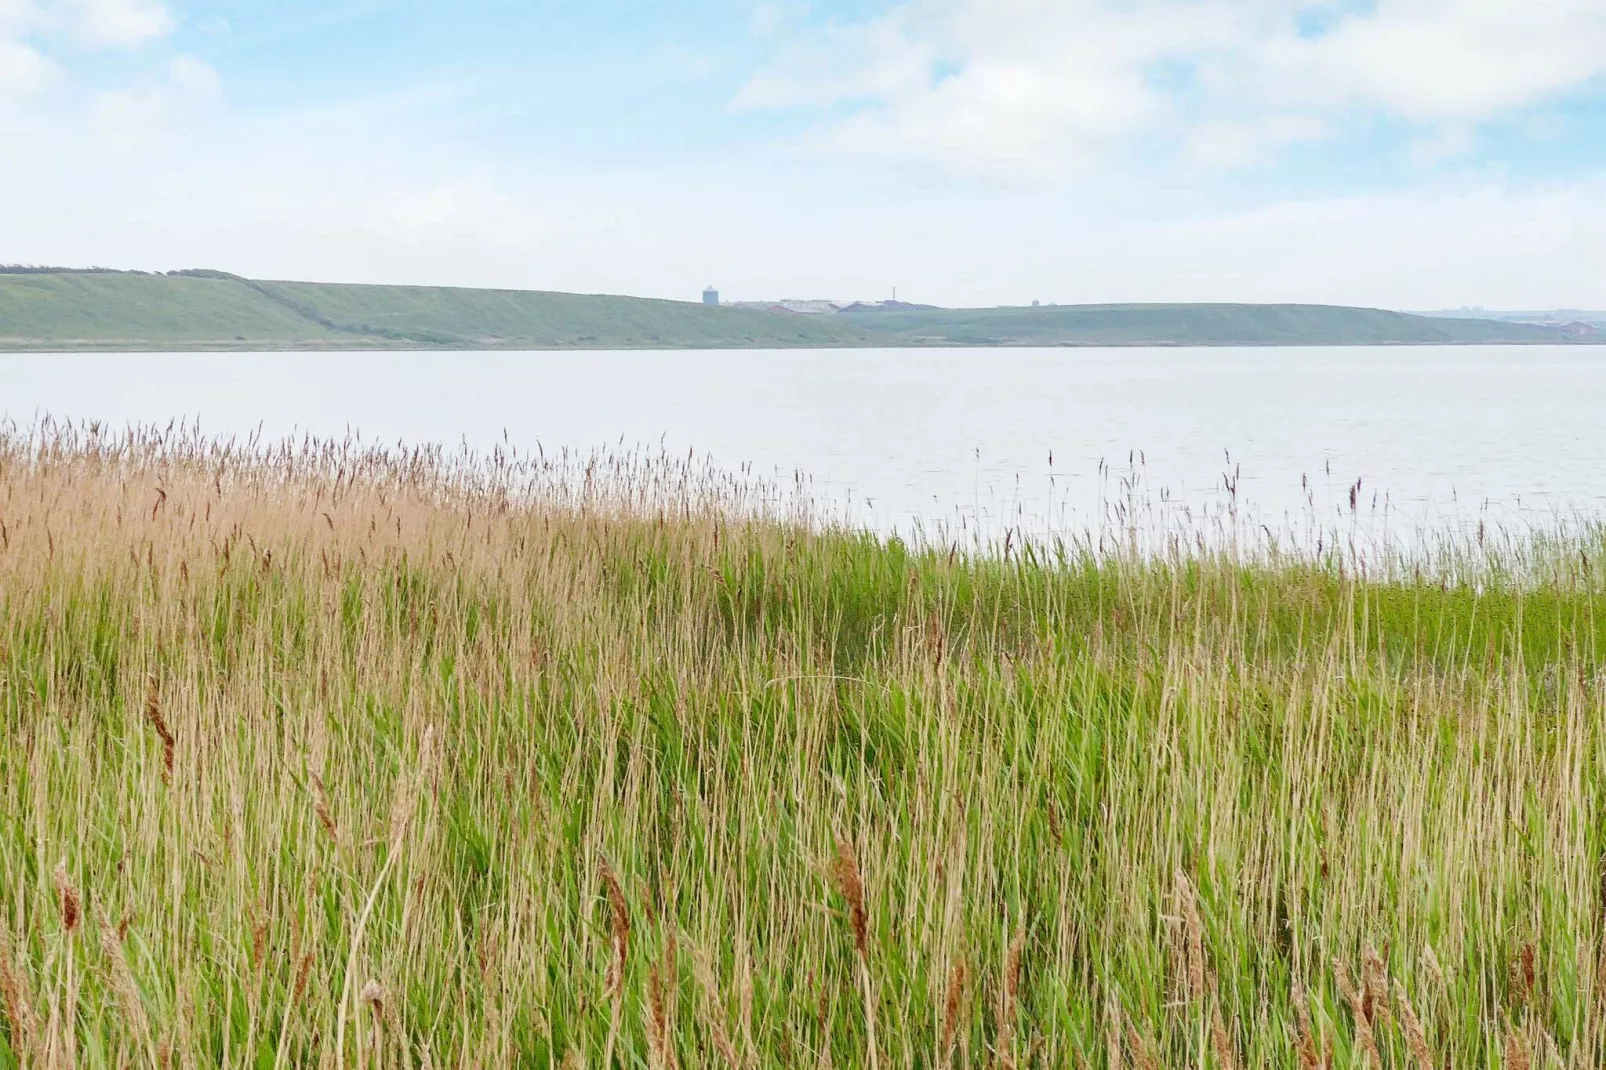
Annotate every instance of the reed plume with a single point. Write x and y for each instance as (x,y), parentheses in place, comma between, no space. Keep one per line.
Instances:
(1520,984)
(155,718)
(1144,1056)
(1008,994)
(1114,1056)
(1375,987)
(952,1005)
(1308,1046)
(1365,1040)
(849,883)
(70,907)
(1416,1039)
(713,1010)
(1517,1057)
(15,999)
(129,999)
(1192,965)
(619,929)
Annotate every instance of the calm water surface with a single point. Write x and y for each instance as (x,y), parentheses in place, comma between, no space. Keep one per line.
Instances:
(966,440)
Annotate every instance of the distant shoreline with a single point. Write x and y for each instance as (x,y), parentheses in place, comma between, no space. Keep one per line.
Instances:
(65,311)
(9,350)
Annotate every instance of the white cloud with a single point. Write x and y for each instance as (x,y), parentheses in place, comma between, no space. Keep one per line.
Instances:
(24,71)
(119,23)
(1462,60)
(1229,144)
(1042,85)
(36,37)
(128,118)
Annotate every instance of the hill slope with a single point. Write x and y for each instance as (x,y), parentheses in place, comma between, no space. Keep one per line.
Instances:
(64,310)
(1217,324)
(80,310)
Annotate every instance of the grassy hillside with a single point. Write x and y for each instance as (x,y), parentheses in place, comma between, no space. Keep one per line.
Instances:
(201,310)
(333,758)
(1199,324)
(109,310)
(137,311)
(449,316)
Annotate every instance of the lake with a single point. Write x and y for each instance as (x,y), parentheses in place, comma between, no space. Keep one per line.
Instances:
(954,441)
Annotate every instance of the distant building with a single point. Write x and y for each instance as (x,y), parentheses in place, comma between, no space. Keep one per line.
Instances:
(710,296)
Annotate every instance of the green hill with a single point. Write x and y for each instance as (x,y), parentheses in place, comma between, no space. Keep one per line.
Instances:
(66,310)
(1193,324)
(204,310)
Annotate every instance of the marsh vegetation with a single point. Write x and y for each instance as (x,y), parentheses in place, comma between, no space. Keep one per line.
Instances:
(319,754)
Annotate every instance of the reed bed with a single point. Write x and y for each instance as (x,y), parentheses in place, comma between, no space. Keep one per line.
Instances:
(320,754)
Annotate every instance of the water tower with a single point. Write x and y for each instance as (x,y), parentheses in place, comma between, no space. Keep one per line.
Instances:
(710,296)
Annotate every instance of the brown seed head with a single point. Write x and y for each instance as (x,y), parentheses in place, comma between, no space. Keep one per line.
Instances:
(1522,977)
(951,1005)
(71,905)
(1517,1057)
(153,715)
(303,974)
(619,914)
(845,874)
(320,806)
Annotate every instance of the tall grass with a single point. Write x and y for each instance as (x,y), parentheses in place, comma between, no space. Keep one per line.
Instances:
(319,754)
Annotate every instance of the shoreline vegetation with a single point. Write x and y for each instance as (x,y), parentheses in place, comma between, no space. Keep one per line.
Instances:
(61,310)
(319,754)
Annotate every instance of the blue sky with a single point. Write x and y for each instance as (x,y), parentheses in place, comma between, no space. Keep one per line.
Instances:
(1404,153)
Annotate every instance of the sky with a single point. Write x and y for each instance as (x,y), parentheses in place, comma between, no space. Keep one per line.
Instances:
(1415,154)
